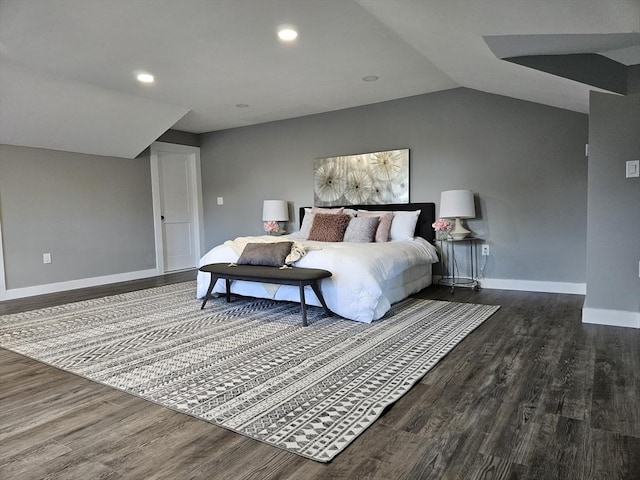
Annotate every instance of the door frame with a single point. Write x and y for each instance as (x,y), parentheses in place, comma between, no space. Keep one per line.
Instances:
(3,285)
(196,198)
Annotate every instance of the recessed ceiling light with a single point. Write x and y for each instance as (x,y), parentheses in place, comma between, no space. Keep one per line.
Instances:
(145,78)
(242,105)
(370,78)
(287,34)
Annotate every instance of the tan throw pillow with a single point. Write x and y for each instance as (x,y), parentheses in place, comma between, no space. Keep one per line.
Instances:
(329,227)
(382,233)
(267,254)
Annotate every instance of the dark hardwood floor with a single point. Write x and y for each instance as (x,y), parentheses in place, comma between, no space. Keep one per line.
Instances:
(531,394)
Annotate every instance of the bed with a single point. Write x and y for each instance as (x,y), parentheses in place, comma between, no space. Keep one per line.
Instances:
(367,278)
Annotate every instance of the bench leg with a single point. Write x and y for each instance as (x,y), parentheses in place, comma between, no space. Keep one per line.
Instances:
(318,292)
(303,304)
(212,284)
(228,285)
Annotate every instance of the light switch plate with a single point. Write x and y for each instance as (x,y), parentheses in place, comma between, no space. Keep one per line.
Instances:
(633,168)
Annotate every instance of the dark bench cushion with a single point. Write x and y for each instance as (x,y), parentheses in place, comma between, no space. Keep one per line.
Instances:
(260,273)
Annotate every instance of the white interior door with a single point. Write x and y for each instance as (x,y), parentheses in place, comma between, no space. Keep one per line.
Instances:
(177,213)
(177,206)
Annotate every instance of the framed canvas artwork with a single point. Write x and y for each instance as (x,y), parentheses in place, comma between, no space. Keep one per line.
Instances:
(364,179)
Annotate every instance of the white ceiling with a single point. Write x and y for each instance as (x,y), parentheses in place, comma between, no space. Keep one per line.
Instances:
(67,67)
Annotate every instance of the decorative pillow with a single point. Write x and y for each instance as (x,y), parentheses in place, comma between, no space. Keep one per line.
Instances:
(328,211)
(329,227)
(309,213)
(362,229)
(268,254)
(382,233)
(307,222)
(403,226)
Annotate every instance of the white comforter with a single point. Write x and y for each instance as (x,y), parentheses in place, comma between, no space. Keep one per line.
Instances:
(360,274)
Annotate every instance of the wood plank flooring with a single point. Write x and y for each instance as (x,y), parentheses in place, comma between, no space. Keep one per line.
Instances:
(531,394)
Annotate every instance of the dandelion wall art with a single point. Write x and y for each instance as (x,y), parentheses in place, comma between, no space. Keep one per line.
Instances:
(364,179)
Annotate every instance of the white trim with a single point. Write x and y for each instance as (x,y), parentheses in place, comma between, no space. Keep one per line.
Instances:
(534,286)
(157,222)
(75,284)
(526,285)
(196,182)
(3,285)
(613,318)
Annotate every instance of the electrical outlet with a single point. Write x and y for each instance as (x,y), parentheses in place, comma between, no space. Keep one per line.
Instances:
(485,250)
(46,258)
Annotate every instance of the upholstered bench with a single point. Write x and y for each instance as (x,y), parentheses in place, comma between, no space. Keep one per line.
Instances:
(258,273)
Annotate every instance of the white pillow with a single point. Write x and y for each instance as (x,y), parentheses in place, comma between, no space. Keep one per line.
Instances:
(327,211)
(307,223)
(403,226)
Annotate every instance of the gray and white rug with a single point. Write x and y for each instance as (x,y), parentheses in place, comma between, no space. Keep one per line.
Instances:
(248,366)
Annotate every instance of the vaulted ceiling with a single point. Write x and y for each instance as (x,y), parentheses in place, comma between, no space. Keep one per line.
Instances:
(67,67)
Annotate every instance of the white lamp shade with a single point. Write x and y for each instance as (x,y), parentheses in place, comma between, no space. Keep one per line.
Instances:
(275,211)
(457,204)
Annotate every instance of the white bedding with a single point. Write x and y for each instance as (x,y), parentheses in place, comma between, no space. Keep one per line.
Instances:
(366,277)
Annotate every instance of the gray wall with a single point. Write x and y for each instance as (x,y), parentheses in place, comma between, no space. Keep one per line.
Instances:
(613,227)
(181,138)
(524,161)
(92,213)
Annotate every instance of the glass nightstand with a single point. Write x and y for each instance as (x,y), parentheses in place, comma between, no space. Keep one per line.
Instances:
(450,276)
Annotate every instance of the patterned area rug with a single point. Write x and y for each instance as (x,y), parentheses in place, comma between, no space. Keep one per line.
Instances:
(249,365)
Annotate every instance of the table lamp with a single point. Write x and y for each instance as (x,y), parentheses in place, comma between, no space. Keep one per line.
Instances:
(457,204)
(274,211)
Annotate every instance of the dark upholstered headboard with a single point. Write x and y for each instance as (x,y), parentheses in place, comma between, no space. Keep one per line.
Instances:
(425,220)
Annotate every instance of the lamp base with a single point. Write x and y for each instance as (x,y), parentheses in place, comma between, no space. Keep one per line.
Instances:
(459,232)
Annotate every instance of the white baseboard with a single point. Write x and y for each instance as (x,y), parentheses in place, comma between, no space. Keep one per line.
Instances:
(529,285)
(22,292)
(534,286)
(612,318)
